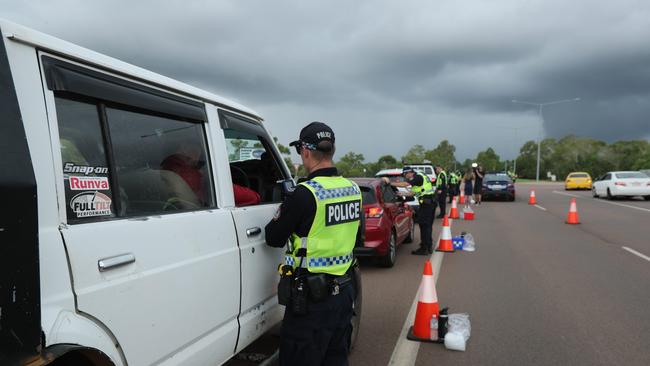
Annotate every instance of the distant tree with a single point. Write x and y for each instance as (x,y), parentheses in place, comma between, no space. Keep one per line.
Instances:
(238,144)
(489,160)
(443,154)
(642,161)
(384,162)
(351,165)
(414,155)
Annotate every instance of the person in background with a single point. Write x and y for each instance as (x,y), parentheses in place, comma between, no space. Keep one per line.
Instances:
(187,163)
(454,185)
(468,186)
(478,181)
(441,190)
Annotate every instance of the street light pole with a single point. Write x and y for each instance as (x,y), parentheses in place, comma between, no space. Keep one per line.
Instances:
(541,106)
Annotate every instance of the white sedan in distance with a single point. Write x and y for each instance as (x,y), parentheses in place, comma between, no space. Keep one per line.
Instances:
(622,184)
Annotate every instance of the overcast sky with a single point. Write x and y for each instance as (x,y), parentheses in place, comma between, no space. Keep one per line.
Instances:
(388,74)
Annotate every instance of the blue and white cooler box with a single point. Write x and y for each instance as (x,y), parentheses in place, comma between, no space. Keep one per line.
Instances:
(458,242)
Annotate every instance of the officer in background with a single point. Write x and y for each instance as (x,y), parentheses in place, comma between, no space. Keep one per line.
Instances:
(323,220)
(422,190)
(441,190)
(454,185)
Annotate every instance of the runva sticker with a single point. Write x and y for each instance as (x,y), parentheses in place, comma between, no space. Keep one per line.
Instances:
(86,183)
(89,204)
(84,169)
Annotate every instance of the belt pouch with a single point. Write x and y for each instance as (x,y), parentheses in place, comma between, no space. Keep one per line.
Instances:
(318,287)
(284,290)
(299,301)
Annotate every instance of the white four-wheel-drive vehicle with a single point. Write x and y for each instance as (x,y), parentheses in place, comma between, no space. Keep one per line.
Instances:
(121,239)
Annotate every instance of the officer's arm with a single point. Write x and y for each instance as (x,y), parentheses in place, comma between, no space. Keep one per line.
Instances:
(294,208)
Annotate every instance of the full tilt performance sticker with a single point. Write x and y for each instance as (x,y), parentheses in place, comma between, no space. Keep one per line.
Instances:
(342,212)
(89,204)
(86,183)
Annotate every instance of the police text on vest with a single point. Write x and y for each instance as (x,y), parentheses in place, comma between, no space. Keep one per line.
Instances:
(342,212)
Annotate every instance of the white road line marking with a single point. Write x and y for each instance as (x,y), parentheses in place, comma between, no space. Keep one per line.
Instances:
(540,207)
(569,194)
(603,201)
(637,253)
(405,352)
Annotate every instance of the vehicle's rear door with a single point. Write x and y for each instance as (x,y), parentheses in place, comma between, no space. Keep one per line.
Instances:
(153,258)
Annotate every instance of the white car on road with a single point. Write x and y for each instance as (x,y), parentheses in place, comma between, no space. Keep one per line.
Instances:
(622,184)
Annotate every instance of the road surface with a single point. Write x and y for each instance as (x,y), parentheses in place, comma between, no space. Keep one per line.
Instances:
(539,291)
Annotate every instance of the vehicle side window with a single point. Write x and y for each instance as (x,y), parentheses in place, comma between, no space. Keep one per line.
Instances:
(254,166)
(160,162)
(428,171)
(152,165)
(86,177)
(388,194)
(607,177)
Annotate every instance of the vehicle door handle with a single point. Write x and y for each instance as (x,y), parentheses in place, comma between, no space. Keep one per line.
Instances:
(253,231)
(114,262)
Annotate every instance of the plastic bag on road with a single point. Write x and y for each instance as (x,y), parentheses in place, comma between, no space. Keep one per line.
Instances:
(459,323)
(469,244)
(458,333)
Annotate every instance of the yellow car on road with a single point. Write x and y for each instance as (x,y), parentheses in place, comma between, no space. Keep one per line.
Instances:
(577,180)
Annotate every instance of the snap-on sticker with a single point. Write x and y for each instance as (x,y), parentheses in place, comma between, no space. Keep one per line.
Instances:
(88,204)
(84,169)
(86,183)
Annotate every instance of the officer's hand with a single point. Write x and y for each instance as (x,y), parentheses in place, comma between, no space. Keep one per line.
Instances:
(386,180)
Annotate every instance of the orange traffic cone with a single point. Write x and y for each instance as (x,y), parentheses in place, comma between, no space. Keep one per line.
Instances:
(445,243)
(427,307)
(532,200)
(462,197)
(453,214)
(572,218)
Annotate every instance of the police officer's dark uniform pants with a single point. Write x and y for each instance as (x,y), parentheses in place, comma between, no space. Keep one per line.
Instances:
(322,336)
(426,215)
(442,202)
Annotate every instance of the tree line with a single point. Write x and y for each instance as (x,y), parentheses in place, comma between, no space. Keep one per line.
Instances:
(559,157)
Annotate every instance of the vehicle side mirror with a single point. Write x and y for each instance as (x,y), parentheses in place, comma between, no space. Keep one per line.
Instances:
(288,186)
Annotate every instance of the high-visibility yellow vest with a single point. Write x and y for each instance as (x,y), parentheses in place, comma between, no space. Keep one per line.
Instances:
(333,233)
(439,178)
(425,189)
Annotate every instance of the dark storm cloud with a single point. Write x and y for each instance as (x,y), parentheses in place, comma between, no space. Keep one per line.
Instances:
(417,71)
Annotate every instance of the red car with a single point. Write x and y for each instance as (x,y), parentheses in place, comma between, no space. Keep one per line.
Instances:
(389,220)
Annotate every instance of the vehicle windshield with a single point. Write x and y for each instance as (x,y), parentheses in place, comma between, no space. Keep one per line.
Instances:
(630,175)
(367,195)
(497,178)
(579,175)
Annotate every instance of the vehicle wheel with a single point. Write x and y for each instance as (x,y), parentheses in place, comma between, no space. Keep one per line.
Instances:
(593,193)
(411,237)
(647,198)
(388,260)
(512,198)
(609,195)
(356,309)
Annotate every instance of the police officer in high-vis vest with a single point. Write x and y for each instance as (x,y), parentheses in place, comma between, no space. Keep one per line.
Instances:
(422,190)
(441,190)
(322,221)
(454,185)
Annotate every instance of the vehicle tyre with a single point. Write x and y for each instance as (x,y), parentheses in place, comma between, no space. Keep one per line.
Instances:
(409,239)
(647,198)
(512,198)
(388,260)
(593,193)
(609,195)
(356,309)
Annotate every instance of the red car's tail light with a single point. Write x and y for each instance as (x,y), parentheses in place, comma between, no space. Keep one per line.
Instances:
(374,212)
(622,184)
